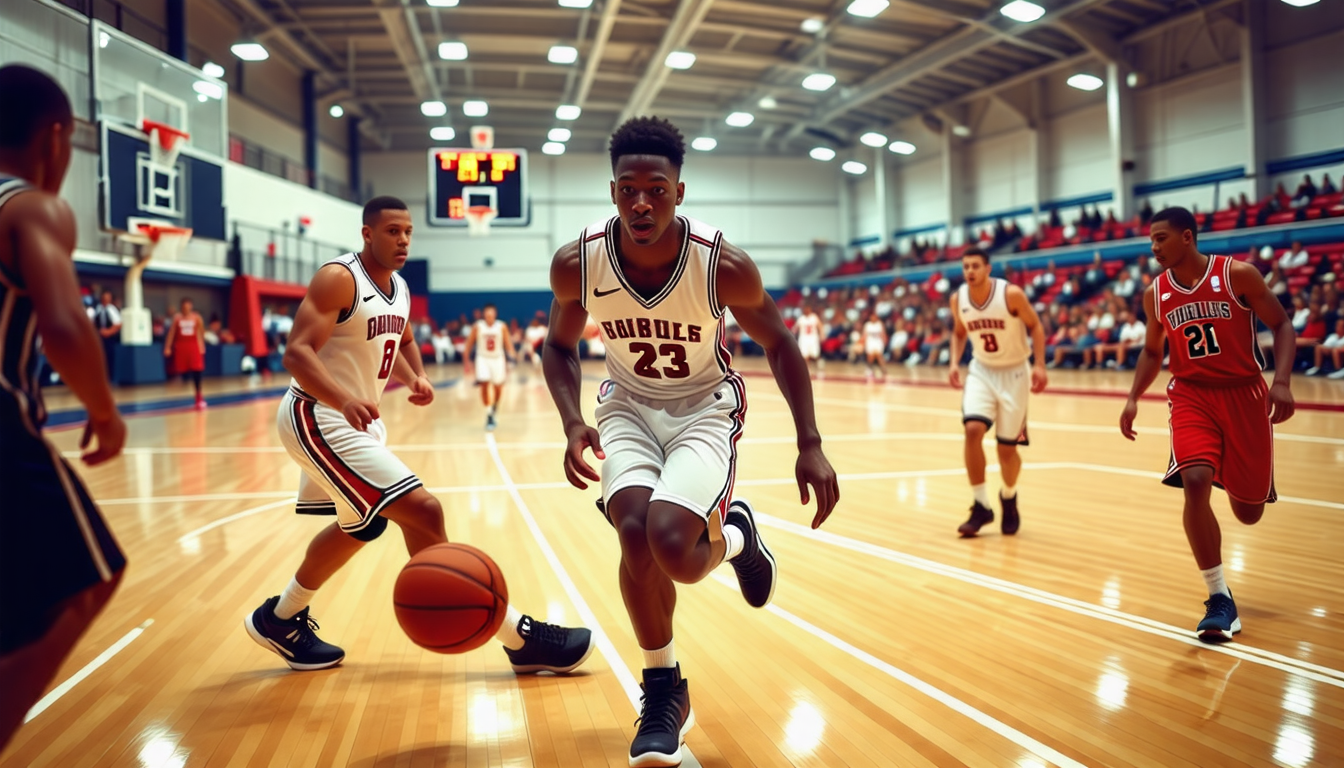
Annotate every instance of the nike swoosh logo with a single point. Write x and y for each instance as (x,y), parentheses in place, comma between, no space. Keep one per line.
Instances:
(370,296)
(600,294)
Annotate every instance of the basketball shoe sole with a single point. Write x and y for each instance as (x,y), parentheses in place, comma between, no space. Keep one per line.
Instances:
(660,760)
(261,640)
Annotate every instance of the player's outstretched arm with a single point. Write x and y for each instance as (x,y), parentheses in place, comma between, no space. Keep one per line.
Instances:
(1021,307)
(958,343)
(1149,364)
(739,288)
(331,292)
(560,362)
(409,369)
(1250,287)
(43,237)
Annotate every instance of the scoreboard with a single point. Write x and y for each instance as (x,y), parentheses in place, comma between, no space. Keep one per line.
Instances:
(463,178)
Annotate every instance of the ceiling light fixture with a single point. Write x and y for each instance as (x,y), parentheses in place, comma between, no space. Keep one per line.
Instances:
(475,108)
(824,154)
(442,133)
(336,110)
(902,147)
(433,108)
(250,50)
(705,143)
(767,102)
(453,50)
(1301,3)
(961,131)
(819,81)
(208,89)
(739,119)
(211,69)
(867,8)
(1024,11)
(873,139)
(567,112)
(562,54)
(680,60)
(559,134)
(553,148)
(575,3)
(854,167)
(813,25)
(441,3)
(1085,82)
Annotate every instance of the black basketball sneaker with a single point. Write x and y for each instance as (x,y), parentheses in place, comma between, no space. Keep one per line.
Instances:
(664,719)
(295,640)
(980,516)
(1011,521)
(755,566)
(548,648)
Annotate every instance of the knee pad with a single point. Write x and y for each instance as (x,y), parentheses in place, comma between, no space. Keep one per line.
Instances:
(371,531)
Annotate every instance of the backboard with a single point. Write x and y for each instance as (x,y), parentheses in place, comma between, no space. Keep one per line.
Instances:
(463,178)
(190,193)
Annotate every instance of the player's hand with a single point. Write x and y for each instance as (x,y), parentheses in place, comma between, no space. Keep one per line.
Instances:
(813,469)
(360,413)
(1039,379)
(954,377)
(1281,406)
(468,370)
(1127,418)
(422,392)
(167,352)
(579,437)
(111,434)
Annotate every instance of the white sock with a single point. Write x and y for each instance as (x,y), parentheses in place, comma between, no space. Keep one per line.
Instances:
(981,495)
(735,540)
(295,598)
(508,631)
(1009,492)
(1213,577)
(663,657)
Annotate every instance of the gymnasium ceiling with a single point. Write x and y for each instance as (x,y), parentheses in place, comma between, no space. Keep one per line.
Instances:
(379,59)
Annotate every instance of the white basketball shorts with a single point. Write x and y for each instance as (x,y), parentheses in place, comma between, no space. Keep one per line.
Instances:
(998,397)
(685,450)
(810,346)
(346,472)
(873,347)
(493,370)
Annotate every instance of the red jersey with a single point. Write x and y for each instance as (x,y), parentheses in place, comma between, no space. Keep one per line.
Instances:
(1210,332)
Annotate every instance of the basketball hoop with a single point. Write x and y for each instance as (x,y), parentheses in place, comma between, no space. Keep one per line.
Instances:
(165,142)
(478,220)
(156,238)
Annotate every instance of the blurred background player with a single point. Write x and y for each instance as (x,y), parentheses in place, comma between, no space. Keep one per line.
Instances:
(184,346)
(59,564)
(808,330)
(1222,414)
(534,337)
(874,344)
(351,334)
(997,317)
(493,351)
(670,415)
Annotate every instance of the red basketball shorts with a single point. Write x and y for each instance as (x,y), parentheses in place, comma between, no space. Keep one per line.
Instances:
(1228,429)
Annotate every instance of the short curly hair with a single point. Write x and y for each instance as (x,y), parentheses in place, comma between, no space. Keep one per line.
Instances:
(648,136)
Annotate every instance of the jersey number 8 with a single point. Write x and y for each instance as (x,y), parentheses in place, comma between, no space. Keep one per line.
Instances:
(991,343)
(389,357)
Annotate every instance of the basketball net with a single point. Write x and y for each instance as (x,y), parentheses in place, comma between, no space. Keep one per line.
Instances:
(479,216)
(165,142)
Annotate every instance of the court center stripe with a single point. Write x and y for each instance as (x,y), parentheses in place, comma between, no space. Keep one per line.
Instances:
(88,669)
(604,644)
(1316,672)
(1043,751)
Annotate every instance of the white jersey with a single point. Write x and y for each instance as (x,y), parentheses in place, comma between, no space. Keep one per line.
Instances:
(367,337)
(809,327)
(669,346)
(490,340)
(874,332)
(998,337)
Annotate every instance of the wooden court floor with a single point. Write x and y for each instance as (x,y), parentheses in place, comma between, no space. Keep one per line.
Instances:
(890,641)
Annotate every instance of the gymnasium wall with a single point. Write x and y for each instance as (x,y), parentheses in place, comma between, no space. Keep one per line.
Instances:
(774,208)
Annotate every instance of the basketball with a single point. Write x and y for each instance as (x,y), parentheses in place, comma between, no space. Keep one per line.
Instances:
(450,598)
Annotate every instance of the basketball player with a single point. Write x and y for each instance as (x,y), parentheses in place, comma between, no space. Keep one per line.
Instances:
(533,338)
(1222,414)
(185,346)
(874,344)
(997,316)
(494,351)
(348,337)
(669,416)
(808,329)
(59,564)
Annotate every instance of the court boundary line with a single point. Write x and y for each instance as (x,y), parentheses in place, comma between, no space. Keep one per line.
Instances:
(624,675)
(1029,743)
(88,669)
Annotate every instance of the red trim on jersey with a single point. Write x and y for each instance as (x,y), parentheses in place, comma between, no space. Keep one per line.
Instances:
(702,241)
(739,417)
(591,238)
(358,492)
